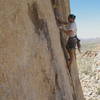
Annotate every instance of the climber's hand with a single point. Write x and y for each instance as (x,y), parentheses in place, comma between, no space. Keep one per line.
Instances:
(58,20)
(60,28)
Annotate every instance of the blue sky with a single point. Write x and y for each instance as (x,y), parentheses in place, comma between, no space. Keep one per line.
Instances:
(88,17)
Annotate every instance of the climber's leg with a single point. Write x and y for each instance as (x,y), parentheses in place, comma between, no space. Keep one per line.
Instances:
(72,57)
(71,47)
(75,53)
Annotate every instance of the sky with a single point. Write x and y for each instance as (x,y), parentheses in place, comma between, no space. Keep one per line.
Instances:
(88,17)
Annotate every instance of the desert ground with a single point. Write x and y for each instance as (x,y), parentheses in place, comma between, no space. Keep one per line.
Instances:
(89,68)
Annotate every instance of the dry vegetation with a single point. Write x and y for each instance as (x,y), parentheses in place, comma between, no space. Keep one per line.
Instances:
(89,69)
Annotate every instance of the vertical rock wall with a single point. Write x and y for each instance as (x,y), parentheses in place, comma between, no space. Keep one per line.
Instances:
(32,62)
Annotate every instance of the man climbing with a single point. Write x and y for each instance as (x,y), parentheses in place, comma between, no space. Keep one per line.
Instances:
(71,31)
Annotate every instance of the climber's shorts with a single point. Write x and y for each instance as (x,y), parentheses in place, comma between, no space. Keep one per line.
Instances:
(72,42)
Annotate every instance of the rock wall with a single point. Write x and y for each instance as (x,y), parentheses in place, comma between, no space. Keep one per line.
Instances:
(32,61)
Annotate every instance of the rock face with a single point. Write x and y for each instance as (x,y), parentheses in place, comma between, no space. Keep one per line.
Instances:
(32,61)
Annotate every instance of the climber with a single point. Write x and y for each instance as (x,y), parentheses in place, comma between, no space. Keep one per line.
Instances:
(71,30)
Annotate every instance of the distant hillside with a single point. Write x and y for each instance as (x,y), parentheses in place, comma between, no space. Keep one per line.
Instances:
(91,40)
(88,44)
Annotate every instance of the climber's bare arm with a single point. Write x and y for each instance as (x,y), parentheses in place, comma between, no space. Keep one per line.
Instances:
(68,32)
(65,23)
(61,22)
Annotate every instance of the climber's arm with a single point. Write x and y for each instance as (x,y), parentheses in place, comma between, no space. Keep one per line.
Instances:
(68,32)
(62,22)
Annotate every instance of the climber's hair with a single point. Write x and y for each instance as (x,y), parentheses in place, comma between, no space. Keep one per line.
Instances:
(72,16)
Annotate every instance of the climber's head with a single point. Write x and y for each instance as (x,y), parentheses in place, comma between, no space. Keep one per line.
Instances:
(71,18)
